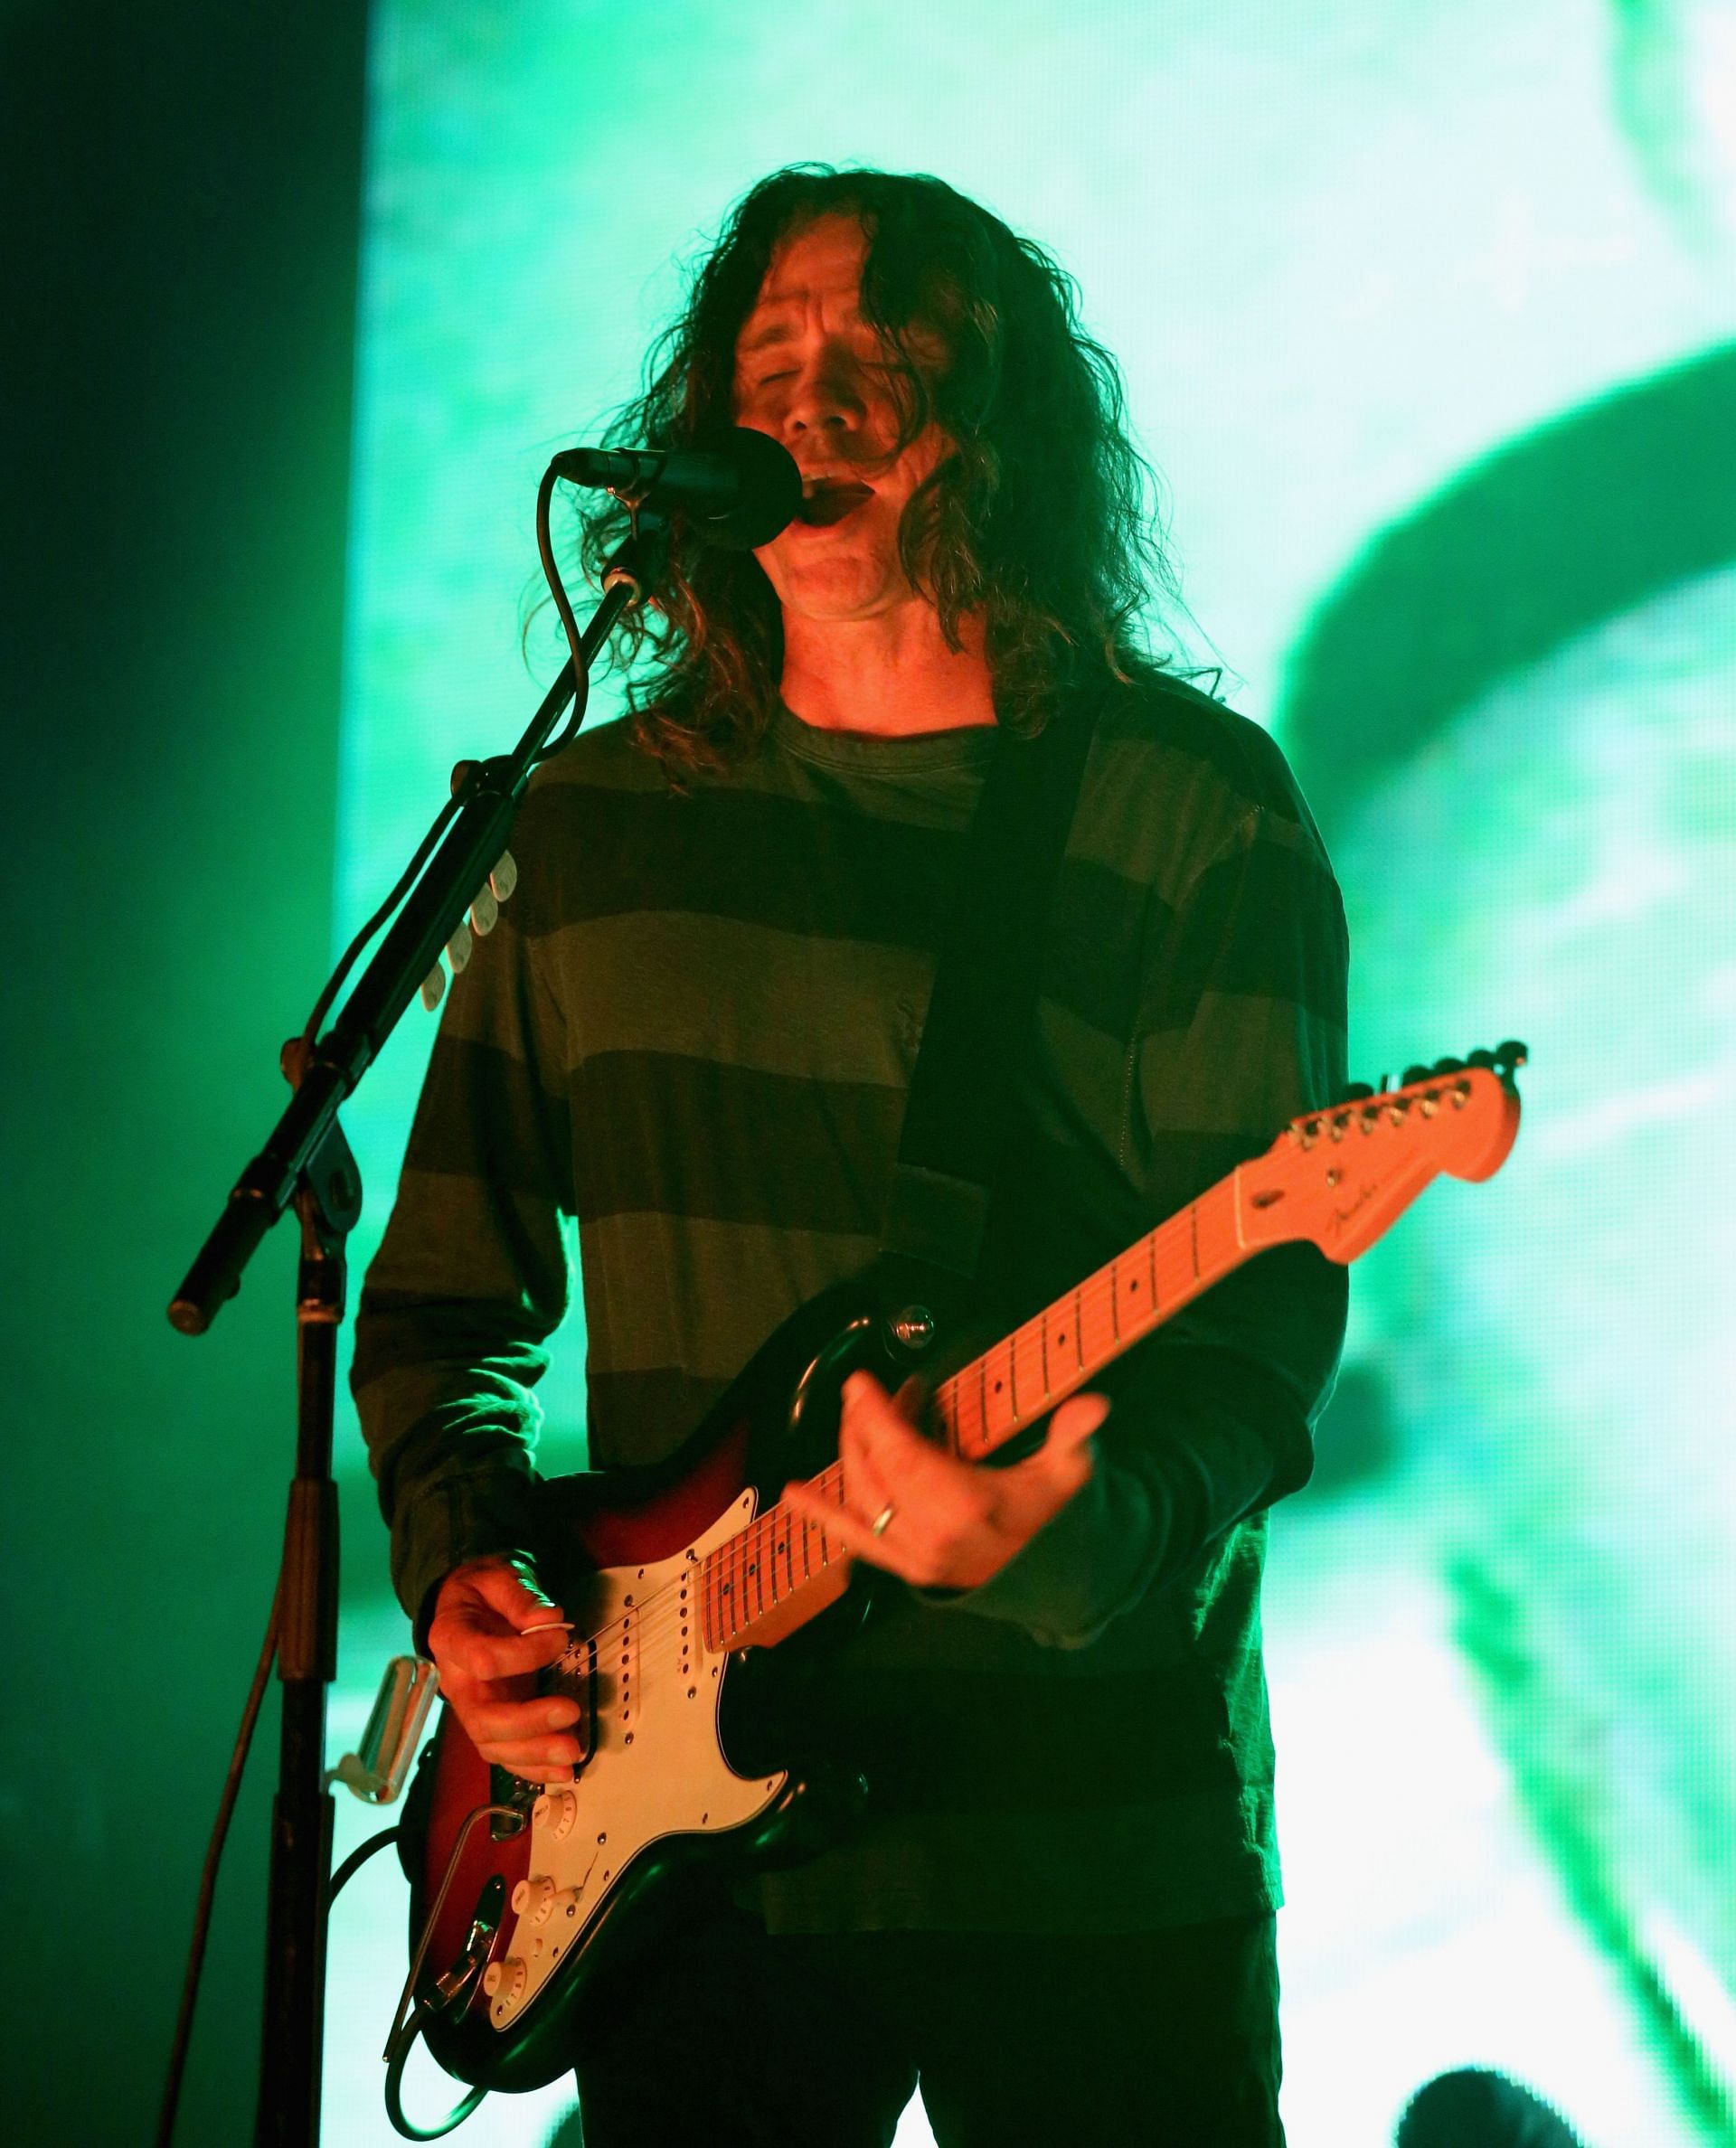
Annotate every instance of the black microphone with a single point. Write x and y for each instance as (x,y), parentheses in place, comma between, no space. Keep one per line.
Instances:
(738,494)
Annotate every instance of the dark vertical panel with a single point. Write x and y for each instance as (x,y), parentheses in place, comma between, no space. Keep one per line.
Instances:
(181,190)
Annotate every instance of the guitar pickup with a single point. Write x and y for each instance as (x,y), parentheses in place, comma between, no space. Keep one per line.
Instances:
(574,1678)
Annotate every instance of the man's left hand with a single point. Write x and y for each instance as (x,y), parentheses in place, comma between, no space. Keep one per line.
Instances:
(920,1512)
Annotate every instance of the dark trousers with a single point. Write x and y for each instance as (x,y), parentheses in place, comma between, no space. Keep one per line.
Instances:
(735,2040)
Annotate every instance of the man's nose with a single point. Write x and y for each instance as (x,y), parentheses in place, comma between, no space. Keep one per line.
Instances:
(827,394)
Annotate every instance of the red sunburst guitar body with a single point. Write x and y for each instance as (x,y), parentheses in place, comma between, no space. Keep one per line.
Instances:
(525,1902)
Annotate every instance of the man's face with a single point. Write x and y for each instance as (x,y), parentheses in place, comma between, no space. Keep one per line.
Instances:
(813,374)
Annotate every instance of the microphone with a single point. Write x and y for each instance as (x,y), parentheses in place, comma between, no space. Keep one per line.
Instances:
(738,495)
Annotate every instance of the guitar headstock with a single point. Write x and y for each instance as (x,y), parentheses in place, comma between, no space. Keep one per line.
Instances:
(1341,1176)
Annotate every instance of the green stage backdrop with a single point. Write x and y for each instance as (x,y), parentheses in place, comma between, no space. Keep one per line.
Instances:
(1425,311)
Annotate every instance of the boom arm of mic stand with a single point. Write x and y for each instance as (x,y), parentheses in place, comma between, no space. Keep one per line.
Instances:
(450,883)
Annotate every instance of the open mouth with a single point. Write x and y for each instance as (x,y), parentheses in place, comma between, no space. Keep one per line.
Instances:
(830,499)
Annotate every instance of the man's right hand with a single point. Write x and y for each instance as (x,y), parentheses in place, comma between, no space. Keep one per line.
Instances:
(488,1665)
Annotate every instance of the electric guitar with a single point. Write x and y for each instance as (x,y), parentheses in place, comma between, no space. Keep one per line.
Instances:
(521,1897)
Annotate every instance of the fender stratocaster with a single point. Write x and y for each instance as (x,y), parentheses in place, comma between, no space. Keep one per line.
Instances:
(521,1897)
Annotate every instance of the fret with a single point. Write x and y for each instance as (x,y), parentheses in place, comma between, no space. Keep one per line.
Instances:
(1000,1414)
(945,1411)
(831,1483)
(1032,1335)
(967,1395)
(726,1592)
(949,1407)
(1138,1317)
(1096,1332)
(1230,1248)
(1021,1382)
(1206,1224)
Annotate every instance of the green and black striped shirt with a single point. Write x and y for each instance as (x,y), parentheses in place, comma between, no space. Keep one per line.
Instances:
(692,1031)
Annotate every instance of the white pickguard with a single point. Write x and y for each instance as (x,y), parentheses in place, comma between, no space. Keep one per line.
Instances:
(656,1765)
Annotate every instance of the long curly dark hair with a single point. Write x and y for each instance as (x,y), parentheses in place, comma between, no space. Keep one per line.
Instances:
(1044,520)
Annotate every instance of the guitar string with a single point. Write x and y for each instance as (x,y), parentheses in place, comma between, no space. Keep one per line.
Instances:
(1177,1276)
(761,1534)
(761,1538)
(653,1614)
(1101,1291)
(1104,1282)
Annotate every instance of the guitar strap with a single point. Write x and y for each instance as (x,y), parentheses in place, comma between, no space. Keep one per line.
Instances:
(961,1110)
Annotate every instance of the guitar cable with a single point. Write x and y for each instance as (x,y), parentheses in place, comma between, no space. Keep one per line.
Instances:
(411,2013)
(404,2033)
(208,1877)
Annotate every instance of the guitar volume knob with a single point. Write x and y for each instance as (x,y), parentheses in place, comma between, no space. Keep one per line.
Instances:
(505,1980)
(555,1810)
(535,1898)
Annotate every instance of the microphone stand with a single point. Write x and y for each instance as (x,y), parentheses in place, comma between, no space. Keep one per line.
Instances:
(307,1163)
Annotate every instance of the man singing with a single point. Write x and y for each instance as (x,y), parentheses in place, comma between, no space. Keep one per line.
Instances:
(692,1031)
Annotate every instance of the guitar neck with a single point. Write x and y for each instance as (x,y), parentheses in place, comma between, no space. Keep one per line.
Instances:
(779,1572)
(1017,1383)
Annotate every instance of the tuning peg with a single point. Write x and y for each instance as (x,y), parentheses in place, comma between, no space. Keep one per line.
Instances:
(1482,1058)
(1358,1092)
(1448,1066)
(1511,1054)
(1413,1075)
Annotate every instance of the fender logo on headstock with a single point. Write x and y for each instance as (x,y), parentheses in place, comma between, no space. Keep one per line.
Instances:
(1341,1216)
(1459,1117)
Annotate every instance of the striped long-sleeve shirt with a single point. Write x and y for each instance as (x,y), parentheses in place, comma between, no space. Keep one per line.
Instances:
(692,1031)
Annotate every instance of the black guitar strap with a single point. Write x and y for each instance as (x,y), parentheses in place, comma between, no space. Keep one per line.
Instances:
(960,1115)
